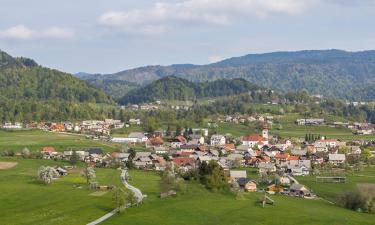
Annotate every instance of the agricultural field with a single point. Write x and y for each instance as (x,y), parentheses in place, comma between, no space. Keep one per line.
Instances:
(35,140)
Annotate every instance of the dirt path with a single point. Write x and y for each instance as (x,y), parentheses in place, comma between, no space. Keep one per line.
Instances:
(7,165)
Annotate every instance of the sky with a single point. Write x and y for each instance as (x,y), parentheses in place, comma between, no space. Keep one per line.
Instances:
(107,36)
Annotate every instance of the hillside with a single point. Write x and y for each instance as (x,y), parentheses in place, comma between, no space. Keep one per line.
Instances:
(31,92)
(332,73)
(174,88)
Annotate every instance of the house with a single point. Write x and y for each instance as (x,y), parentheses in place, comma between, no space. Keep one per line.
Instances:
(241,149)
(254,140)
(196,139)
(300,171)
(96,151)
(217,140)
(160,150)
(299,190)
(355,149)
(178,141)
(185,164)
(229,148)
(272,189)
(237,174)
(48,150)
(336,159)
(265,167)
(138,136)
(247,184)
(156,141)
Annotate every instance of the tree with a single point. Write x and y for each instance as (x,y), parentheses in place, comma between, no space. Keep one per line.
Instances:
(118,198)
(74,158)
(168,131)
(89,173)
(130,197)
(216,179)
(168,179)
(25,152)
(178,130)
(366,155)
(46,174)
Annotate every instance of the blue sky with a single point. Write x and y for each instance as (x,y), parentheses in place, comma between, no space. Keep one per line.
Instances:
(100,36)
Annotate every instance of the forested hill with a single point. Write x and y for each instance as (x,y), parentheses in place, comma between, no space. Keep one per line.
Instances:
(332,73)
(31,92)
(174,88)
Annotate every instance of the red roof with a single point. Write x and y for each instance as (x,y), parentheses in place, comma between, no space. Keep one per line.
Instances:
(48,150)
(282,156)
(293,157)
(254,137)
(229,147)
(181,139)
(183,161)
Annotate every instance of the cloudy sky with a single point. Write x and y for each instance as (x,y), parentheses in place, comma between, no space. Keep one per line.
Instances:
(104,36)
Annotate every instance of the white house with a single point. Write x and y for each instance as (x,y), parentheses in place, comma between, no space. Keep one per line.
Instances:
(217,140)
(336,159)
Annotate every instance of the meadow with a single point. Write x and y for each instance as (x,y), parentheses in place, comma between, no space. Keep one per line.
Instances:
(67,201)
(35,140)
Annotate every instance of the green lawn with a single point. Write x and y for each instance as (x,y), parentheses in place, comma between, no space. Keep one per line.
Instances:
(35,140)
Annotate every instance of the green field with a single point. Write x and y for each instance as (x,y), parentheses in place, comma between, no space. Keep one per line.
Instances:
(290,129)
(35,140)
(25,201)
(329,190)
(200,207)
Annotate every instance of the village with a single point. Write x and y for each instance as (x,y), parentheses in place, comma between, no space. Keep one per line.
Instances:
(276,163)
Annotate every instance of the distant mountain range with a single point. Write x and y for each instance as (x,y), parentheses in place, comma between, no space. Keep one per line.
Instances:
(30,92)
(332,73)
(175,88)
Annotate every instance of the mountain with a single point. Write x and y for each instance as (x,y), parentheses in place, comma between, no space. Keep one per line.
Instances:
(175,88)
(32,92)
(332,73)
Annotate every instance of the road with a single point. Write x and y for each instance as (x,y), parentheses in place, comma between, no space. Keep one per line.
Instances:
(137,193)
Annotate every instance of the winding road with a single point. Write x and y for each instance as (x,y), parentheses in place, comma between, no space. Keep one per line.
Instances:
(137,193)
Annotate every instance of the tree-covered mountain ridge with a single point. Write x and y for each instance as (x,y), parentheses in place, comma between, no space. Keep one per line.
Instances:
(175,88)
(29,91)
(332,73)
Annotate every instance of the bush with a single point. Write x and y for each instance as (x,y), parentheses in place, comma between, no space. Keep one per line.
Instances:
(361,200)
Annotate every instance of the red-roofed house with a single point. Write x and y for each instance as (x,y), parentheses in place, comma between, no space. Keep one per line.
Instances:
(48,150)
(254,140)
(184,164)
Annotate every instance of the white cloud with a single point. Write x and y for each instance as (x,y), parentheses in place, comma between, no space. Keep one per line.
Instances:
(21,32)
(217,12)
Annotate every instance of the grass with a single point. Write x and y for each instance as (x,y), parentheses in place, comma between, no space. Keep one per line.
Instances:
(329,191)
(26,201)
(198,206)
(290,129)
(35,140)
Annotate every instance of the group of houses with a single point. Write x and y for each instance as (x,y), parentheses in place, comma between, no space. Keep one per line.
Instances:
(91,127)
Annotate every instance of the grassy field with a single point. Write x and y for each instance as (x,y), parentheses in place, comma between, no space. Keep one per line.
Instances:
(35,140)
(329,191)
(198,206)
(290,129)
(25,201)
